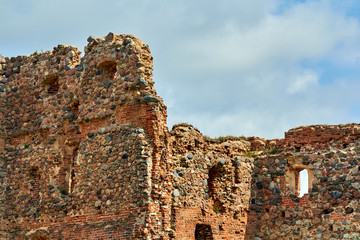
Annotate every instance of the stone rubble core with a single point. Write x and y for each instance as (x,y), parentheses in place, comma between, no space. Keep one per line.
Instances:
(85,153)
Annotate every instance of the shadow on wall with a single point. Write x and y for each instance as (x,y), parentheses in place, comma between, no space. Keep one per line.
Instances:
(203,232)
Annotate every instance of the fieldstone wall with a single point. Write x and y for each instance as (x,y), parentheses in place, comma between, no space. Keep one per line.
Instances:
(212,182)
(83,144)
(330,210)
(85,153)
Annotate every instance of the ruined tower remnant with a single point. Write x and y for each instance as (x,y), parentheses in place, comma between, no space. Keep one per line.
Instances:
(85,153)
(83,144)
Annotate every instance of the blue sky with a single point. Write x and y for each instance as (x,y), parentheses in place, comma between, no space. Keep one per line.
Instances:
(234,67)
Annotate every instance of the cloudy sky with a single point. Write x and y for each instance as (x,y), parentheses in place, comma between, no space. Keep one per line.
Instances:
(230,67)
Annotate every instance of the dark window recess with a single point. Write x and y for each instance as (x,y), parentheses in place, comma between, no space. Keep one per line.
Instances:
(52,84)
(203,232)
(108,68)
(214,173)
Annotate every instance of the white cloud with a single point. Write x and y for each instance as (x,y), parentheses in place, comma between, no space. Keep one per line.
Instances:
(305,31)
(302,82)
(230,67)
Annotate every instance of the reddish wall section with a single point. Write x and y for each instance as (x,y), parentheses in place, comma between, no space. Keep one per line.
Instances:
(212,182)
(321,137)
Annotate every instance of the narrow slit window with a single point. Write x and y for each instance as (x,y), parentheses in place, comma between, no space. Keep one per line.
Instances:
(304,182)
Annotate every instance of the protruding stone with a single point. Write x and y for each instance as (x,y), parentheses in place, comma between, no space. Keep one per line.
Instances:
(149,98)
(91,38)
(110,37)
(2,59)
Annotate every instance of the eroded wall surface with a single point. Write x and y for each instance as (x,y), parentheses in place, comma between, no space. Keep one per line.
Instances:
(83,150)
(212,182)
(249,188)
(330,209)
(85,153)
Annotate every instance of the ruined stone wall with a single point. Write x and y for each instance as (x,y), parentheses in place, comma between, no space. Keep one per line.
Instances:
(212,182)
(233,188)
(83,142)
(330,210)
(321,137)
(85,153)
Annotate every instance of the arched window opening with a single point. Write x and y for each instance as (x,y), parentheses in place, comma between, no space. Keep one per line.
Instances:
(203,232)
(304,182)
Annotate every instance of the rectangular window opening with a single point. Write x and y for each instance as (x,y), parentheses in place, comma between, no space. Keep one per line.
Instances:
(304,182)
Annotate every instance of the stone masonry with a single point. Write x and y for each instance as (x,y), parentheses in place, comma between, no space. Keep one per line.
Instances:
(85,153)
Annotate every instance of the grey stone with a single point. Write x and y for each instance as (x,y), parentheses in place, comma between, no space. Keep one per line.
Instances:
(143,82)
(342,154)
(91,38)
(2,174)
(339,166)
(128,41)
(149,98)
(98,203)
(206,196)
(349,210)
(79,67)
(221,161)
(70,54)
(190,156)
(336,194)
(176,193)
(329,155)
(205,182)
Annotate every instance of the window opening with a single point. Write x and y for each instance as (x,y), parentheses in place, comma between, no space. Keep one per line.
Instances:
(304,182)
(109,69)
(203,232)
(52,83)
(299,180)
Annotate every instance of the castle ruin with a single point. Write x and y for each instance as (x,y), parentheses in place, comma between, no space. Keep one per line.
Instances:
(85,153)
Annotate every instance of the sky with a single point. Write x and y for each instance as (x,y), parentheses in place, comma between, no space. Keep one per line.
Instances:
(230,67)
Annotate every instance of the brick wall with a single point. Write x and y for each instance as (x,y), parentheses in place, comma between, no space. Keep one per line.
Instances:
(321,137)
